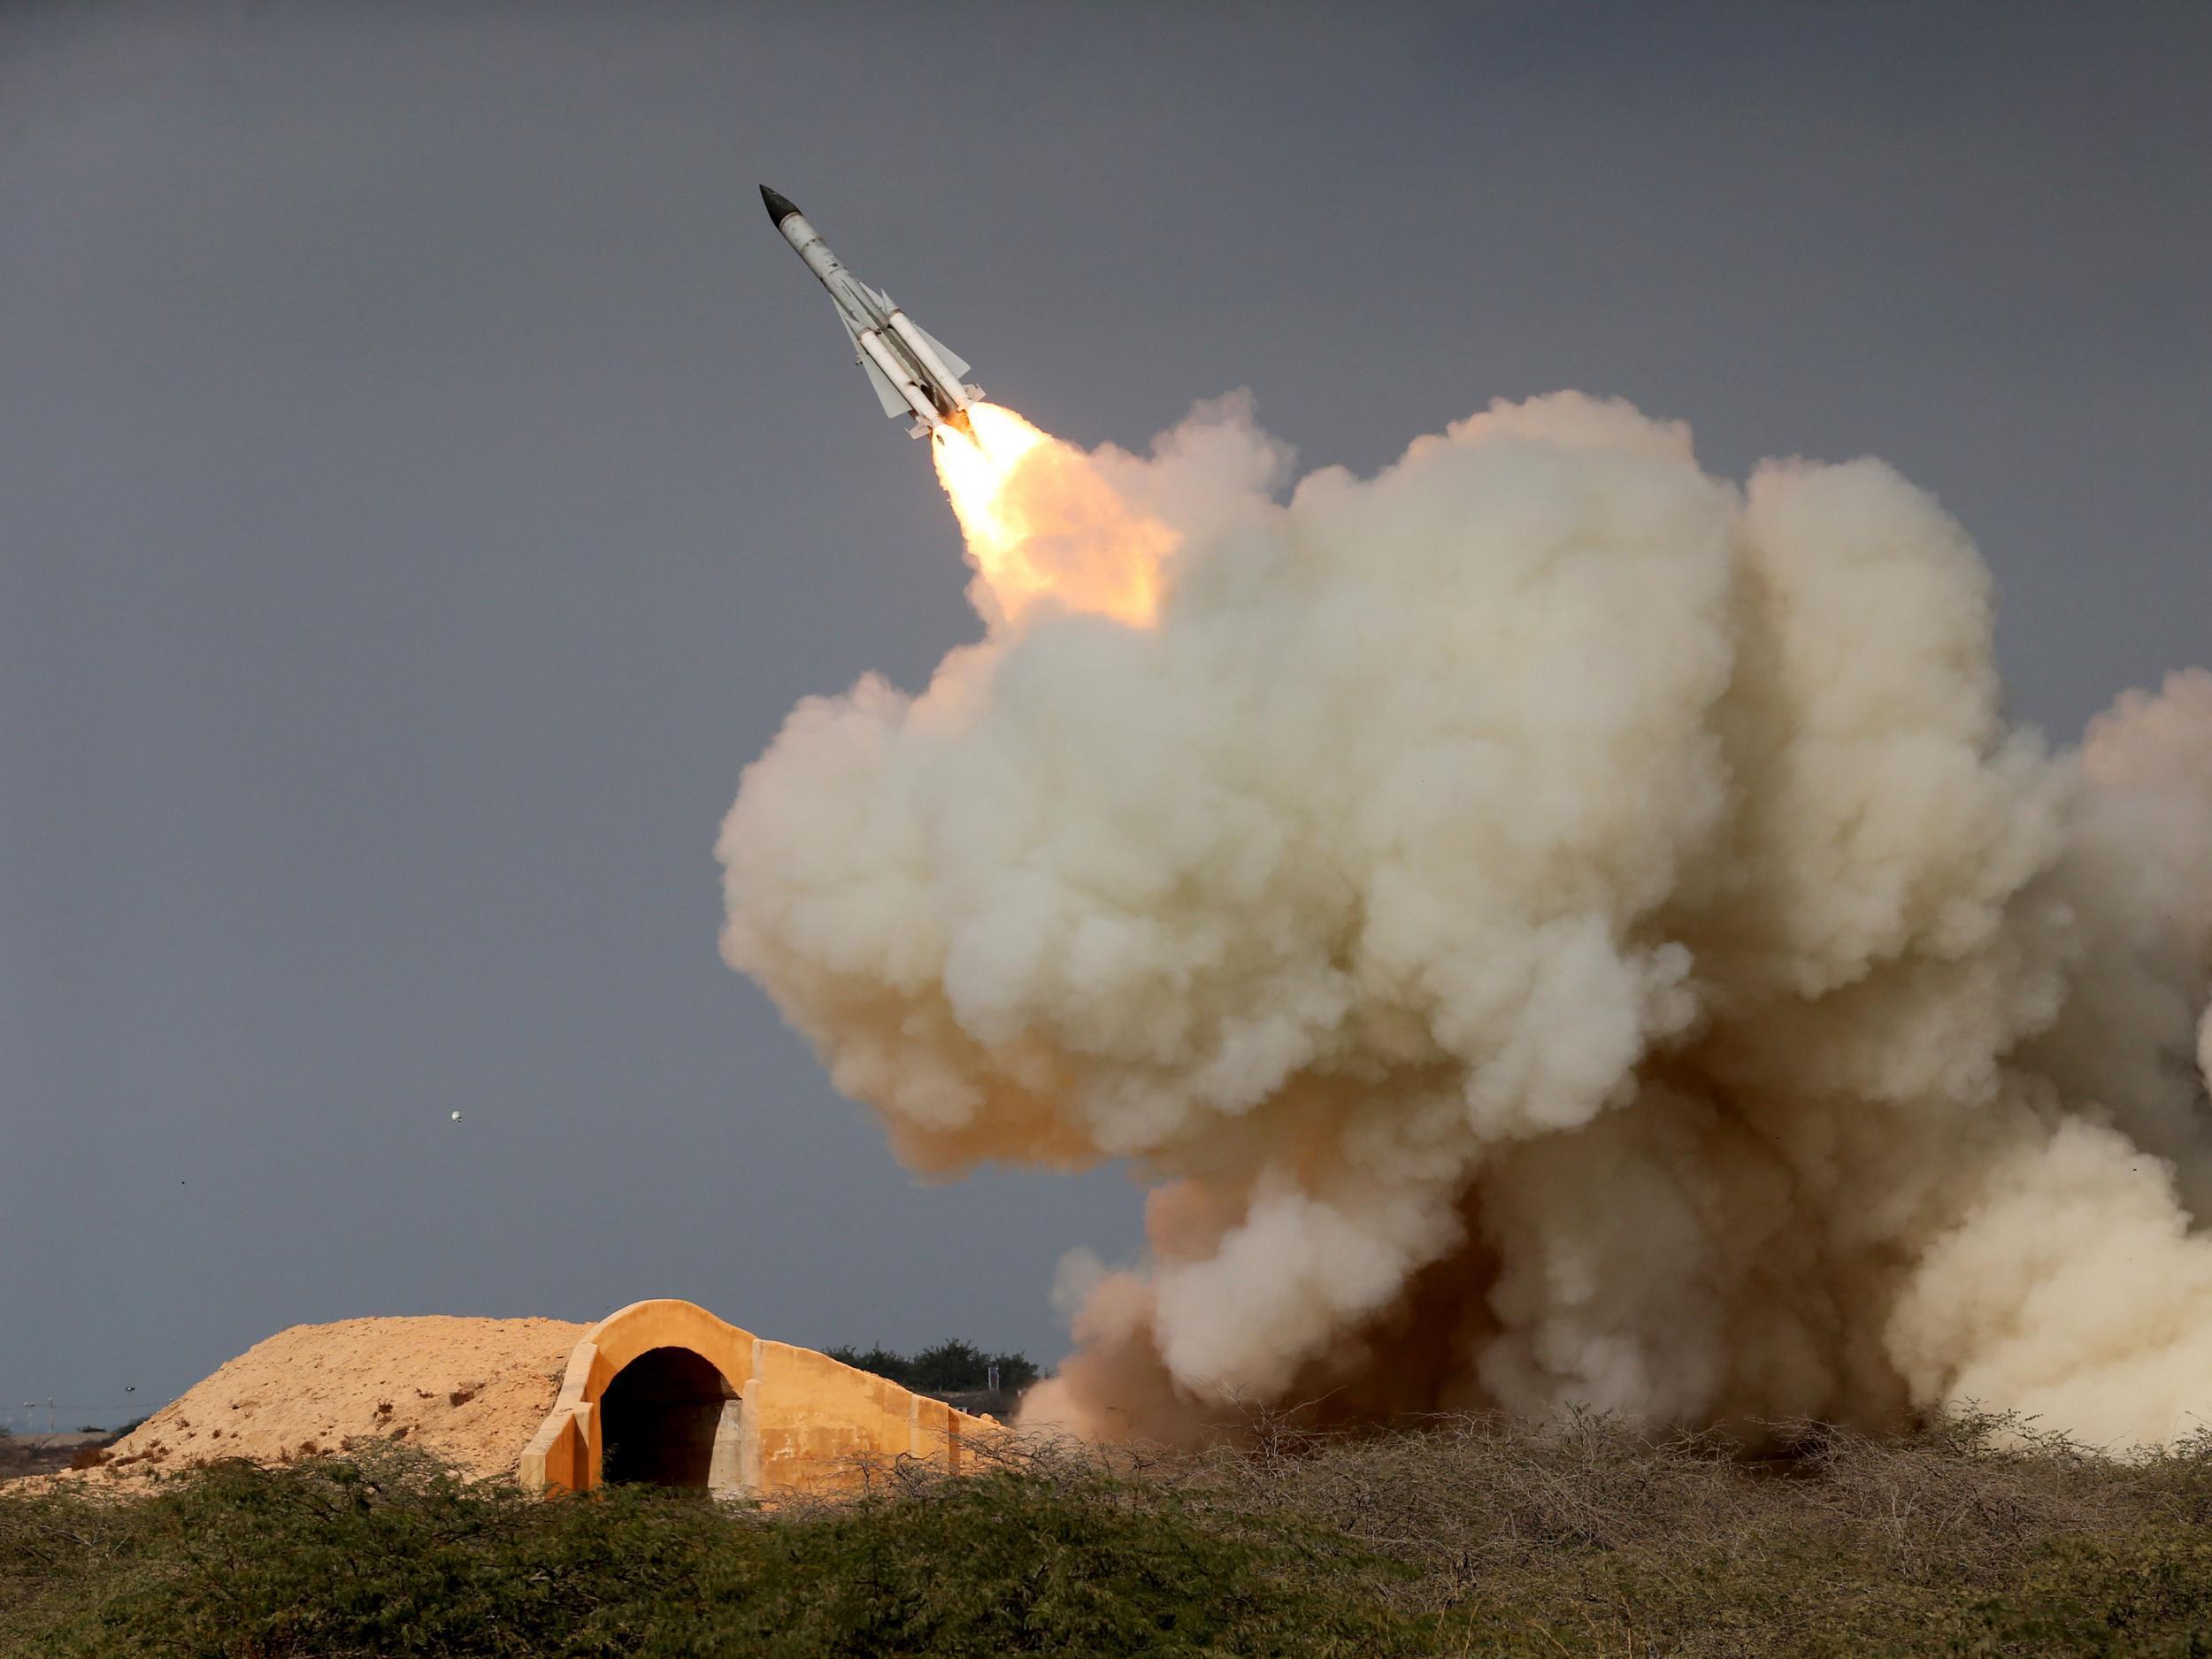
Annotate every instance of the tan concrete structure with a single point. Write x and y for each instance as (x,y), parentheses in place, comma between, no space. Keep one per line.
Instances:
(664,1392)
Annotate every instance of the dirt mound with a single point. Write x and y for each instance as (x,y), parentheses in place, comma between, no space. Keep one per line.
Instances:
(472,1391)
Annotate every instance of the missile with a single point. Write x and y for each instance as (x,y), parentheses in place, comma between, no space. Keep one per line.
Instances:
(913,373)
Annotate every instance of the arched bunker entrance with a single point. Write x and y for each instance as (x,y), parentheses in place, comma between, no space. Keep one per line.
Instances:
(662,1419)
(664,1392)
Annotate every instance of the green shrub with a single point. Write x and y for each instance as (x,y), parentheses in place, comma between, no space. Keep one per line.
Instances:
(332,1558)
(1470,1536)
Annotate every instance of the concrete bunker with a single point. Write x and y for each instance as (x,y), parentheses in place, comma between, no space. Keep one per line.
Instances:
(664,1416)
(664,1392)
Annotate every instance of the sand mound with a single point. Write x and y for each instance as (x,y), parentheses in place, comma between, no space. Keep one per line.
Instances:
(471,1391)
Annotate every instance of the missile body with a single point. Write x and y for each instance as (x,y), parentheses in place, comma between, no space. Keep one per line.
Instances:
(912,373)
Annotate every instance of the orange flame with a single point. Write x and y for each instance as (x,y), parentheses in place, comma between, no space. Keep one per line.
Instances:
(1043,522)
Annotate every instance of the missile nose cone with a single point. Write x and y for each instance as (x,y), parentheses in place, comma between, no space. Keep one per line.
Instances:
(780,207)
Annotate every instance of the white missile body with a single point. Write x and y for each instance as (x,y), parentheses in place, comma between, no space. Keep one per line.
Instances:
(912,373)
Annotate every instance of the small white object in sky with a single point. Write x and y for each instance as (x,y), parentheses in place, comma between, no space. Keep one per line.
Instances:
(456,1117)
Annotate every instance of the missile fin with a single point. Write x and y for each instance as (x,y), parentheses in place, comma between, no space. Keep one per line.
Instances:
(954,361)
(886,394)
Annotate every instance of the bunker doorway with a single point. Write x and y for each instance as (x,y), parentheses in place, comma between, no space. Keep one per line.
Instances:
(669,1418)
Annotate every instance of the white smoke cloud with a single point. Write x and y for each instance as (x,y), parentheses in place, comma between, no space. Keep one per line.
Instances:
(2204,1049)
(1556,927)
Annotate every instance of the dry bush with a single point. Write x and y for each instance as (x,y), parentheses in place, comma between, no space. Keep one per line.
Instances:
(1584,1534)
(1588,1533)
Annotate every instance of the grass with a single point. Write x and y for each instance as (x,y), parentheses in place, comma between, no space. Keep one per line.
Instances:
(1472,1536)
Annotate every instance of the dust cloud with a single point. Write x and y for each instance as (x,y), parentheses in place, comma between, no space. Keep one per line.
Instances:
(1549,926)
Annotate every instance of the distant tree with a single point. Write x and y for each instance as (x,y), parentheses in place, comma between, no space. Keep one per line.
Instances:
(878,1359)
(952,1366)
(1016,1372)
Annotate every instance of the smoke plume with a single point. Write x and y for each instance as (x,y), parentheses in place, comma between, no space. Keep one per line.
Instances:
(1549,925)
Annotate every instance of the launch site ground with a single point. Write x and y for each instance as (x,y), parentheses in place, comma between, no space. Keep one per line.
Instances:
(1579,1538)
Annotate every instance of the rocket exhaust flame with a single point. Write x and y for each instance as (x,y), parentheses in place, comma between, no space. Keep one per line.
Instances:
(1550,927)
(1041,524)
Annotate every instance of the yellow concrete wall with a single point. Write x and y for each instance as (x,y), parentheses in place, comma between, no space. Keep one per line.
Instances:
(806,1422)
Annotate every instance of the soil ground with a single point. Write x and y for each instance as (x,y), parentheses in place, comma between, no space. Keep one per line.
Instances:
(470,1391)
(22,1454)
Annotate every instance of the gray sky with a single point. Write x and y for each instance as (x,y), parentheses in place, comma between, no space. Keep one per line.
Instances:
(426,480)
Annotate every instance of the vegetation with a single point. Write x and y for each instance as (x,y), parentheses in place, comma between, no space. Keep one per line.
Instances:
(1468,1537)
(951,1367)
(395,1557)
(1976,1536)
